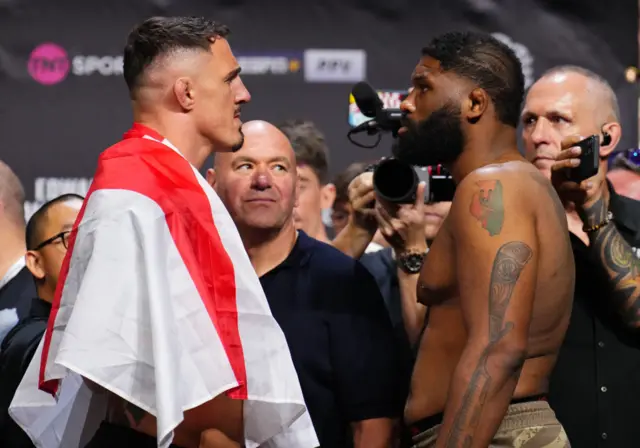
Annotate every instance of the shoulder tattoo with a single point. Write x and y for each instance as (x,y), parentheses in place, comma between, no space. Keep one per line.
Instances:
(486,206)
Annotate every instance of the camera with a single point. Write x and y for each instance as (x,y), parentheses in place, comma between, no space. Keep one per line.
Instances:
(396,181)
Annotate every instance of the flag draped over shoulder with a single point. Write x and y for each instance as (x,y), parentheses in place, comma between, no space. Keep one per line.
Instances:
(158,303)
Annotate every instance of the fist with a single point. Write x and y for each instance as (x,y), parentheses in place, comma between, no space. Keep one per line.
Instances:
(362,199)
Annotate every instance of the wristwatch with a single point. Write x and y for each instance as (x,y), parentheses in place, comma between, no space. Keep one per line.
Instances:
(411,263)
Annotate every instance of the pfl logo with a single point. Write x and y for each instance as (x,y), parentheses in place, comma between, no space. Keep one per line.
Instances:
(337,65)
(49,64)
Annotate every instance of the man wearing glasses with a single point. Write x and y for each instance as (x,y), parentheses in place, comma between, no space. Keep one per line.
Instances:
(47,240)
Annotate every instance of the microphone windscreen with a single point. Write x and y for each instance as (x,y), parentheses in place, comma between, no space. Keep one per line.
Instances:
(367,99)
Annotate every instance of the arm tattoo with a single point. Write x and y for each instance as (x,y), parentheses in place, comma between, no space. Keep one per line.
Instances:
(508,264)
(620,263)
(486,206)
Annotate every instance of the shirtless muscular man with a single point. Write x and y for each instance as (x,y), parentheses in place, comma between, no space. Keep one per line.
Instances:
(498,280)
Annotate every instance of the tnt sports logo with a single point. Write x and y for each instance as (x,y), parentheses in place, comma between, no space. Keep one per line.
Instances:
(269,64)
(391,99)
(50,64)
(523,53)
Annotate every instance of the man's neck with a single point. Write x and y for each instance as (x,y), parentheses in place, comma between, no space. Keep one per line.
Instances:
(319,232)
(267,251)
(482,151)
(180,132)
(13,247)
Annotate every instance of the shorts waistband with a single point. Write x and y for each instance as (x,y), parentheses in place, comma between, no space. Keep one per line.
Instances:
(429,422)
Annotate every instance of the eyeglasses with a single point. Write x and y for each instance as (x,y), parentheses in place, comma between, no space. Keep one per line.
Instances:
(64,236)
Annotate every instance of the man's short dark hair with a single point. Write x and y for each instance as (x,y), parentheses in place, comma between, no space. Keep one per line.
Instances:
(491,64)
(39,218)
(159,36)
(309,146)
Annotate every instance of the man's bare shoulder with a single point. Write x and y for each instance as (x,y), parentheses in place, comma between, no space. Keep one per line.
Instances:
(494,193)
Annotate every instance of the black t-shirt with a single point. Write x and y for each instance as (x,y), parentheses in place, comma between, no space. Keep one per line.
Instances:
(595,386)
(16,353)
(340,338)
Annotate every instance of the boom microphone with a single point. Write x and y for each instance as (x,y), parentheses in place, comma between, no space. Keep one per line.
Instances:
(371,106)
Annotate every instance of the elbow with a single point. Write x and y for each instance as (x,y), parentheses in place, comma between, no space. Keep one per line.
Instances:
(507,356)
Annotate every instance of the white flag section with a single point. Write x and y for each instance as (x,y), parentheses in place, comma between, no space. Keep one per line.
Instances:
(149,312)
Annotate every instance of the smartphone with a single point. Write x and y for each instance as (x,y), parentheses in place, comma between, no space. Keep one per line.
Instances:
(589,159)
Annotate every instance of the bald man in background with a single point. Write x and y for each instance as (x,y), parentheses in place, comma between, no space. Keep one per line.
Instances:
(595,385)
(16,285)
(327,304)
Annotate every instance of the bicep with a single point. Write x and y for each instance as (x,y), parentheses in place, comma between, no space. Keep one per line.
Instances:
(496,260)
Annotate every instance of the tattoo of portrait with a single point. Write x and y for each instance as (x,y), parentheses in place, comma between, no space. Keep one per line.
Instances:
(620,263)
(508,264)
(486,206)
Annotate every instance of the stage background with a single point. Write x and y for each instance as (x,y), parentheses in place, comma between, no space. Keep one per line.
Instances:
(62,104)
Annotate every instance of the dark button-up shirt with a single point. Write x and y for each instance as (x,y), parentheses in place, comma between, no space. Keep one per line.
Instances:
(595,387)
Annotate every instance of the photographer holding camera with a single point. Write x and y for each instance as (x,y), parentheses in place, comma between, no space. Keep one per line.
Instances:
(595,384)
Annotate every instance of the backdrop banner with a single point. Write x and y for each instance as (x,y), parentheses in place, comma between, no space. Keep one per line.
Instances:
(63,98)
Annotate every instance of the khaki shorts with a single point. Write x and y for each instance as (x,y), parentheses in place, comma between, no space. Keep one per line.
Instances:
(526,425)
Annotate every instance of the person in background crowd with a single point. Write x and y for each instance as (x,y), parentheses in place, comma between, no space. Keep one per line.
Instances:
(397,267)
(327,304)
(625,174)
(158,308)
(341,210)
(498,278)
(595,382)
(315,194)
(47,240)
(16,287)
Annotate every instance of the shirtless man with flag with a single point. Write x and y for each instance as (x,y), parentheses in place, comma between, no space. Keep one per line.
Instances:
(159,321)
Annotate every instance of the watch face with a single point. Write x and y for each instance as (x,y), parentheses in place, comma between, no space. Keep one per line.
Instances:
(413,262)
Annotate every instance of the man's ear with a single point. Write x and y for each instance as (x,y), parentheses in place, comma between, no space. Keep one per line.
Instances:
(211,177)
(476,105)
(184,91)
(614,130)
(327,196)
(33,261)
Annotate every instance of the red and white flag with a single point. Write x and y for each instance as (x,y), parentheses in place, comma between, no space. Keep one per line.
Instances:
(158,303)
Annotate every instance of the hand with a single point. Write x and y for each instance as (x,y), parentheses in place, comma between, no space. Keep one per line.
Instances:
(403,225)
(591,196)
(361,198)
(212,438)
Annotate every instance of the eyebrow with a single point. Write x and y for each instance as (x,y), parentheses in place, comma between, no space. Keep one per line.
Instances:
(233,74)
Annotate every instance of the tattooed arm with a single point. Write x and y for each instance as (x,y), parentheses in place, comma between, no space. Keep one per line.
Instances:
(618,260)
(495,244)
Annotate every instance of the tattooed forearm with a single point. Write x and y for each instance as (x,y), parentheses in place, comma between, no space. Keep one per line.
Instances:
(620,264)
(486,206)
(508,264)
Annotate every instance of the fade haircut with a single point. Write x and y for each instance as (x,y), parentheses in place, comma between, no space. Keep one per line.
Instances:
(309,146)
(489,63)
(160,36)
(12,196)
(39,218)
(602,84)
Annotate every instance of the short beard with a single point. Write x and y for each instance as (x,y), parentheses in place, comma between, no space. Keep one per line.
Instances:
(436,140)
(239,144)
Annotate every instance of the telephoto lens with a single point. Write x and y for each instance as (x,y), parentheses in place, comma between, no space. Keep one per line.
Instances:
(395,181)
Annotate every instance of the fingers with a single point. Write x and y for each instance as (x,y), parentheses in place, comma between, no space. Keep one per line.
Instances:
(422,186)
(565,164)
(361,202)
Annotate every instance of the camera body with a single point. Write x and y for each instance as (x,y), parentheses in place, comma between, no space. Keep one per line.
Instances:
(396,182)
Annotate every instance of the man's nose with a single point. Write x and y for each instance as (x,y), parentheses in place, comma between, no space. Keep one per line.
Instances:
(242,94)
(261,180)
(542,133)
